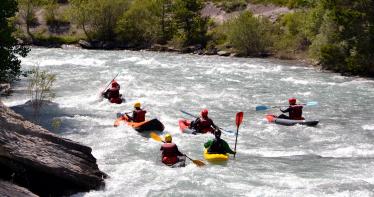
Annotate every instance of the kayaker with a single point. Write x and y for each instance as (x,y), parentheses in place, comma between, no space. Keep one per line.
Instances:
(170,154)
(112,94)
(138,115)
(295,111)
(218,145)
(203,124)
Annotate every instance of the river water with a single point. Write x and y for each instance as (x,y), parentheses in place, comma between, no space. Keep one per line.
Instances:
(336,158)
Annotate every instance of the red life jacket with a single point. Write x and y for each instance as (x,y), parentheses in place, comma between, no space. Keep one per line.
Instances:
(139,115)
(113,93)
(296,112)
(169,153)
(205,125)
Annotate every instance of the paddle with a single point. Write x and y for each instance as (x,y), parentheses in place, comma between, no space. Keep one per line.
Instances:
(264,107)
(158,138)
(110,83)
(238,121)
(224,130)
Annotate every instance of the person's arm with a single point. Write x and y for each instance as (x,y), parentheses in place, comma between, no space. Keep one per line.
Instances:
(286,110)
(178,152)
(213,125)
(208,144)
(195,123)
(227,148)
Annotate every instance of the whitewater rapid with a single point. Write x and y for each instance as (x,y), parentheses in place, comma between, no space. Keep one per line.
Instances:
(336,158)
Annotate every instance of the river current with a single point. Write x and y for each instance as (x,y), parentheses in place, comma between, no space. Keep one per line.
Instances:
(336,158)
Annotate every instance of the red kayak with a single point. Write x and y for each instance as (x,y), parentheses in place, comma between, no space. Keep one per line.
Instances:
(184,127)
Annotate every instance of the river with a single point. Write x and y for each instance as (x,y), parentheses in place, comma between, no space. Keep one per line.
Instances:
(336,158)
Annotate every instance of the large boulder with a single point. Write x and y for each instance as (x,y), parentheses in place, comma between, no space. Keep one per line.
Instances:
(46,164)
(10,190)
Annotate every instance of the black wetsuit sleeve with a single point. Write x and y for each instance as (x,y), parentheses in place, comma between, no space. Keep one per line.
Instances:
(212,123)
(286,110)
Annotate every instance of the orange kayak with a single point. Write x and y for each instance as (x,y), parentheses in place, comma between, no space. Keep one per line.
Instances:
(147,125)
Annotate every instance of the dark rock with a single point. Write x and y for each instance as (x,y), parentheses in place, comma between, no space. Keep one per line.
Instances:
(223,53)
(46,164)
(159,47)
(10,190)
(5,89)
(86,45)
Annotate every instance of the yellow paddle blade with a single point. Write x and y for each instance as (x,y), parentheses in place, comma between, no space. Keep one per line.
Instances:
(156,137)
(198,163)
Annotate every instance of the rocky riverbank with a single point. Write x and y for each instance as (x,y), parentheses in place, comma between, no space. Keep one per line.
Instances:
(44,163)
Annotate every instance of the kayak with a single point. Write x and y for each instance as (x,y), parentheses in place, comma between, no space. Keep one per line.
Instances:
(118,100)
(184,127)
(147,125)
(288,122)
(180,163)
(215,158)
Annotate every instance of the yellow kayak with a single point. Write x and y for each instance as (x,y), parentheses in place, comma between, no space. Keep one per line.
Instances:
(215,158)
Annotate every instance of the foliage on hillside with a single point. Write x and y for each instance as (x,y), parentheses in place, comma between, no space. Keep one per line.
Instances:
(336,33)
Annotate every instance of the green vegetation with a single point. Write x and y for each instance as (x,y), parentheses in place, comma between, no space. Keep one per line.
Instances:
(338,34)
(9,49)
(251,36)
(40,88)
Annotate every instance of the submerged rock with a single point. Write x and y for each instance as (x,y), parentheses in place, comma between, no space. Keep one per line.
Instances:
(46,164)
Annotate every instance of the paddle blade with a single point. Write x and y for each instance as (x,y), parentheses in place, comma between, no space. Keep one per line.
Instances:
(312,103)
(239,118)
(198,163)
(155,136)
(262,107)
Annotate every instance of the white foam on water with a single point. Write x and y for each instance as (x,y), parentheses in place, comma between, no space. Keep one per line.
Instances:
(368,127)
(272,160)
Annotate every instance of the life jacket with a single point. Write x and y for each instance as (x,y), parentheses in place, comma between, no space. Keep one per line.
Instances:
(169,153)
(296,112)
(205,125)
(114,93)
(217,147)
(139,115)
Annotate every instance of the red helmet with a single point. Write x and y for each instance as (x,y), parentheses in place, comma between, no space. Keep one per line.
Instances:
(292,101)
(204,113)
(114,84)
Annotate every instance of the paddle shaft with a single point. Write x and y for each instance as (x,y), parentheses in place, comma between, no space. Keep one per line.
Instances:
(265,107)
(239,119)
(236,139)
(110,82)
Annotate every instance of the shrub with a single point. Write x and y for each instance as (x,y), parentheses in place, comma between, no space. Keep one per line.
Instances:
(249,35)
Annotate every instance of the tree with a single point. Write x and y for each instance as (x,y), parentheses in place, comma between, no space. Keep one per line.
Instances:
(348,47)
(40,88)
(191,25)
(98,18)
(140,24)
(249,35)
(166,20)
(27,10)
(10,67)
